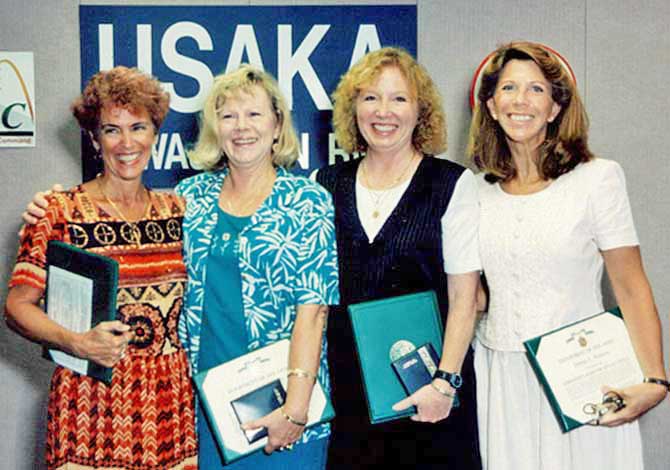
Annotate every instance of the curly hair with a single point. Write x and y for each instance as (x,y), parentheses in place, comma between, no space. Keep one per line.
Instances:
(430,133)
(566,142)
(207,153)
(121,86)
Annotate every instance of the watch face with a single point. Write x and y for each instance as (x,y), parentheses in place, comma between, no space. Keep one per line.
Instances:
(456,380)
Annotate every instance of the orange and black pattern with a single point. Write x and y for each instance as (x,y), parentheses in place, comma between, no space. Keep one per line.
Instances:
(145,419)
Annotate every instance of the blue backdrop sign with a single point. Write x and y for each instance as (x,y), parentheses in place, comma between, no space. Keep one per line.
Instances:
(307,48)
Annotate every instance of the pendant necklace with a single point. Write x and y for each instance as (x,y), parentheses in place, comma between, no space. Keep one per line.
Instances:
(378,196)
(130,231)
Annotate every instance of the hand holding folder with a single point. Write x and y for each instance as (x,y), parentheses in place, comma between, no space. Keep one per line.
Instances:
(386,330)
(431,405)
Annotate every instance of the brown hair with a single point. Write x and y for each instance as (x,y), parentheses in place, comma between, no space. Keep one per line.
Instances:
(207,154)
(121,86)
(430,133)
(566,143)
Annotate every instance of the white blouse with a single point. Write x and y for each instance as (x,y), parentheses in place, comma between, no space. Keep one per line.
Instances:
(541,252)
(459,223)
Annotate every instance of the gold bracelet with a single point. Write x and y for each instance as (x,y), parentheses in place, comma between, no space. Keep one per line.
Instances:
(301,373)
(290,419)
(443,391)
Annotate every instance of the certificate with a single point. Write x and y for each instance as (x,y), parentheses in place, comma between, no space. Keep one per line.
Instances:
(81,292)
(249,387)
(575,361)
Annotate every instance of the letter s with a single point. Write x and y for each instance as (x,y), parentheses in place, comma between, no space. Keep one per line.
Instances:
(186,65)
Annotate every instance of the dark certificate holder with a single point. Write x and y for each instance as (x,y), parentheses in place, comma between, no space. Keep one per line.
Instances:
(104,272)
(257,404)
(385,330)
(416,369)
(532,346)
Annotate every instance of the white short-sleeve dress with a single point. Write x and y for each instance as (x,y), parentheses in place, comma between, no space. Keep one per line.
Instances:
(542,257)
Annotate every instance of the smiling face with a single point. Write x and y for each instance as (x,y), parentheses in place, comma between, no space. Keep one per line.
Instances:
(125,139)
(522,103)
(247,127)
(387,112)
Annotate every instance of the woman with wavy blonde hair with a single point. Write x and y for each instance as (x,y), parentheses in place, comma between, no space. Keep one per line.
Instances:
(406,221)
(259,245)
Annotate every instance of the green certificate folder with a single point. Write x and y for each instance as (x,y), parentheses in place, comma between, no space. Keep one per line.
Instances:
(233,392)
(80,293)
(385,330)
(573,362)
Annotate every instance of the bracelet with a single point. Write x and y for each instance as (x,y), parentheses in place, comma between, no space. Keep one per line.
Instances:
(657,381)
(443,391)
(301,373)
(290,419)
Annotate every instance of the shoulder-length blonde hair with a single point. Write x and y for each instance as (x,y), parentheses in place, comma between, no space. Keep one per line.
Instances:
(430,133)
(566,143)
(207,153)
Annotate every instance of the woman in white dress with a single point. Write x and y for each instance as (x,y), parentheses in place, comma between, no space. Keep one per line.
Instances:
(552,215)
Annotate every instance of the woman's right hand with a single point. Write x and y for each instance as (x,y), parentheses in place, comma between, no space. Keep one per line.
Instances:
(638,398)
(105,344)
(36,209)
(282,433)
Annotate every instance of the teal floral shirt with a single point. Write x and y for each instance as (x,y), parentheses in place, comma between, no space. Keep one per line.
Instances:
(287,257)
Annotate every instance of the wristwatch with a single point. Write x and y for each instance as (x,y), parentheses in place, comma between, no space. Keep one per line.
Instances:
(453,378)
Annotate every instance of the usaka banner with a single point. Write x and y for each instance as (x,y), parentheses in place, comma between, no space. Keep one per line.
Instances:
(307,48)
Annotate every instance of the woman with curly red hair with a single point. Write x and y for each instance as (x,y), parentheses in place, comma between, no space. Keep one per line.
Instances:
(143,420)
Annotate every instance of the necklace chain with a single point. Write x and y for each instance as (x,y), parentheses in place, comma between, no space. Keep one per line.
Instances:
(135,235)
(378,196)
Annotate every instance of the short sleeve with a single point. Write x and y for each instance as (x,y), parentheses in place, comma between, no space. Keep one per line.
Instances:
(460,227)
(611,216)
(317,279)
(30,267)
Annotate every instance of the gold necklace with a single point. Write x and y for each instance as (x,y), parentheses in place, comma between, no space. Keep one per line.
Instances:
(378,196)
(130,231)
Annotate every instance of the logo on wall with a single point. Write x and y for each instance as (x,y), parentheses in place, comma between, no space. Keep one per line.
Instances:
(17,106)
(307,48)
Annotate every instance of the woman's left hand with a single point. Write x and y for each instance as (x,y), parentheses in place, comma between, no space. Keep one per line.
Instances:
(431,405)
(638,398)
(281,432)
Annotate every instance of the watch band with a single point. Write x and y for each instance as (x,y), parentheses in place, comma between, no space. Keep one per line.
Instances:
(453,378)
(654,380)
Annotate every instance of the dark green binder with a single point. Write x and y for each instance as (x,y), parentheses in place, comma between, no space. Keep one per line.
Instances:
(381,325)
(104,274)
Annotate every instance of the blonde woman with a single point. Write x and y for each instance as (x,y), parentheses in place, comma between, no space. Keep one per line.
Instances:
(406,222)
(259,246)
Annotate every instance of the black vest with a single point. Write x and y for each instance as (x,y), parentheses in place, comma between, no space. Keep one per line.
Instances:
(406,255)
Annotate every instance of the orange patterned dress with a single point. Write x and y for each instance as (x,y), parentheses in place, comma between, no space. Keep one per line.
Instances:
(145,419)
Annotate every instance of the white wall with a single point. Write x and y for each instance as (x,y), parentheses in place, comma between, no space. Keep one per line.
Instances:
(620,54)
